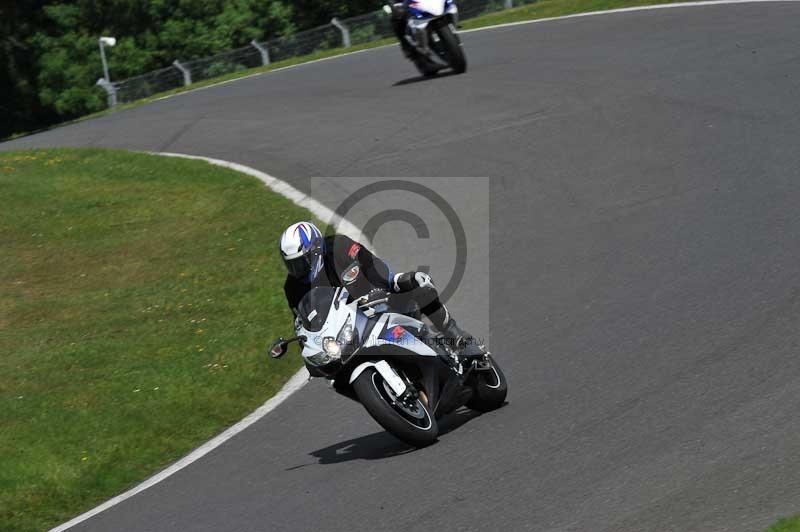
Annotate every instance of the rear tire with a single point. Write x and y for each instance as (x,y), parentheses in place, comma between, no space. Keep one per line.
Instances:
(377,399)
(452,47)
(490,389)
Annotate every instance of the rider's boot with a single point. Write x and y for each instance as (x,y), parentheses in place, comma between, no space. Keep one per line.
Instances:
(463,343)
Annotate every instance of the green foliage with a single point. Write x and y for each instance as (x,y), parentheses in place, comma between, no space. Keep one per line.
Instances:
(50,58)
(789,524)
(19,106)
(311,13)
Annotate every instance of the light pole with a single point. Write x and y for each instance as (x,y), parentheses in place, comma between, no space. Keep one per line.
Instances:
(106,41)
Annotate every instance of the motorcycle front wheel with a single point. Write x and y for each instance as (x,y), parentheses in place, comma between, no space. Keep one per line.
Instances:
(449,48)
(490,388)
(411,423)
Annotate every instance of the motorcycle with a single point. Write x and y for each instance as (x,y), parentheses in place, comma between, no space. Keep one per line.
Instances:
(431,33)
(405,376)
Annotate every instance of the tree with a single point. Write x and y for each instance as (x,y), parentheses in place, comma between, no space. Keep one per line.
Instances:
(50,58)
(20,109)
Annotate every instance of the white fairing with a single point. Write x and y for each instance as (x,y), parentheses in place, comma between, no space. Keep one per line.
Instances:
(413,344)
(314,353)
(312,350)
(434,7)
(389,375)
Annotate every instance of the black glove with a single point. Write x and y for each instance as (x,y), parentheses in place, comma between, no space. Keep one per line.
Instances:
(373,295)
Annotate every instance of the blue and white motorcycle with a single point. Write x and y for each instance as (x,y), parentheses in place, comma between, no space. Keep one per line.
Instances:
(405,376)
(432,37)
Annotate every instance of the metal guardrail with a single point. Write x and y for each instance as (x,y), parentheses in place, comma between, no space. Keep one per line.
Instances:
(340,33)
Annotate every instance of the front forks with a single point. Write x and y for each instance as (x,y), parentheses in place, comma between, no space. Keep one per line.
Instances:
(419,36)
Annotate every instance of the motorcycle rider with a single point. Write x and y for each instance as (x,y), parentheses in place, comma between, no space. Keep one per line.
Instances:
(336,260)
(399,18)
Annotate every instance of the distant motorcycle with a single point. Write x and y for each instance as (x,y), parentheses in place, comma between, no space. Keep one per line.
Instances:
(406,377)
(431,33)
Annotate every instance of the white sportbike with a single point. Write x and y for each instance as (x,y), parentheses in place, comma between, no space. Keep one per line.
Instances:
(432,37)
(405,376)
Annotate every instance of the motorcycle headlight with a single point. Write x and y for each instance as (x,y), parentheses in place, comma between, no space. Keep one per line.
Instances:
(345,336)
(331,347)
(344,342)
(334,348)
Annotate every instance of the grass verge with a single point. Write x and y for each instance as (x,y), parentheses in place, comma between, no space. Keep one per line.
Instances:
(789,524)
(538,10)
(138,294)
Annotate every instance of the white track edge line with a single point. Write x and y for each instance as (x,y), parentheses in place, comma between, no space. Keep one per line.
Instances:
(286,190)
(625,10)
(297,381)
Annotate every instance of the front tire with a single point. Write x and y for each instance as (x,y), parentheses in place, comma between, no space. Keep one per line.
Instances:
(452,47)
(490,388)
(414,425)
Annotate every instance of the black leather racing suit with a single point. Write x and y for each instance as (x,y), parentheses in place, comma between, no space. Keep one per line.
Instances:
(399,21)
(350,264)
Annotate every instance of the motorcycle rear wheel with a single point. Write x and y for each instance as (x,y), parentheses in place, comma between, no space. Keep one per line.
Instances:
(414,425)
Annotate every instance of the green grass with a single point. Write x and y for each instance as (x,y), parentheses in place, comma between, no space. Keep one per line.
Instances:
(541,9)
(138,294)
(789,524)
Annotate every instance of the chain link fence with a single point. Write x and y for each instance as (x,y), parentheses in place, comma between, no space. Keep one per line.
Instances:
(224,63)
(347,32)
(153,82)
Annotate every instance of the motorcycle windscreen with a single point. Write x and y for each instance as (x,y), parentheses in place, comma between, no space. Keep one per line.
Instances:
(314,307)
(431,7)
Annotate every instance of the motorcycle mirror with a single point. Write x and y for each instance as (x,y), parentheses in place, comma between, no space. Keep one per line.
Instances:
(278,348)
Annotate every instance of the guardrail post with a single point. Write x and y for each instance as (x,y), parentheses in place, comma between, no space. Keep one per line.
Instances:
(111,91)
(187,75)
(508,4)
(262,50)
(345,32)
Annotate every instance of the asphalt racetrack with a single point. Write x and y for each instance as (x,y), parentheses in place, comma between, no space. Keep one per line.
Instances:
(645,290)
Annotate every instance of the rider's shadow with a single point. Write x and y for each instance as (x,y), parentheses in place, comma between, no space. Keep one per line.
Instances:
(381,445)
(419,79)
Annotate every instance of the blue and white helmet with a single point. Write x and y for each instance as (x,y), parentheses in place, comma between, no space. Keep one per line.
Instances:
(302,250)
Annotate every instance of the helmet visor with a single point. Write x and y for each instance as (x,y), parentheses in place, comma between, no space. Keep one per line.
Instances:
(303,266)
(299,267)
